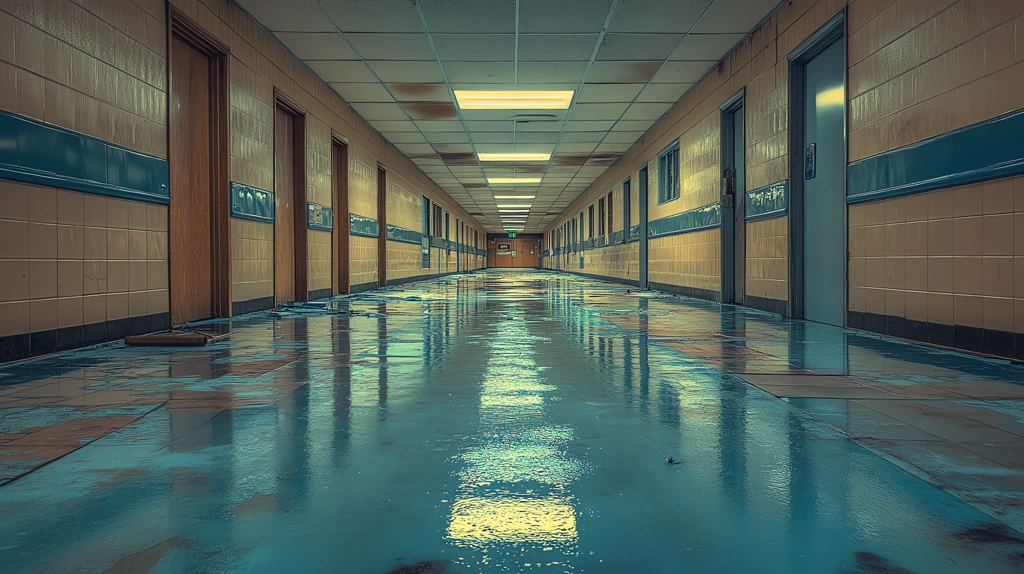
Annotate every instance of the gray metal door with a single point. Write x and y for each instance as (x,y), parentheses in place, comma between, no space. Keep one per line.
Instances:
(739,258)
(642,190)
(824,201)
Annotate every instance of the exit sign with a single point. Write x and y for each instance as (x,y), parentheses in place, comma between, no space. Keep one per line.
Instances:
(511,234)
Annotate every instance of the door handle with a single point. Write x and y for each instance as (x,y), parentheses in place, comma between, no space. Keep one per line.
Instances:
(810,161)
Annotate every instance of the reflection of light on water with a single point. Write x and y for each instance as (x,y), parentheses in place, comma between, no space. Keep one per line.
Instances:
(512,498)
(477,521)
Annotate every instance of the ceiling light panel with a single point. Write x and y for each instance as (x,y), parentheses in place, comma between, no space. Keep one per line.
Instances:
(514,99)
(515,156)
(514,180)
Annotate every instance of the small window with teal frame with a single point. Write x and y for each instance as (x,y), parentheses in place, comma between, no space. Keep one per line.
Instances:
(668,173)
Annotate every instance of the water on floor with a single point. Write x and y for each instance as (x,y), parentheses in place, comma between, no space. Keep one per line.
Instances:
(513,422)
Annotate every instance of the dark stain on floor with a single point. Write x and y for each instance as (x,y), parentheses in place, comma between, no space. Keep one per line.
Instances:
(258,502)
(990,534)
(871,563)
(420,568)
(145,560)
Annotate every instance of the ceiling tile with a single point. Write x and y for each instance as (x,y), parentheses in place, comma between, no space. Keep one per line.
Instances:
(622,72)
(294,16)
(705,46)
(407,72)
(738,16)
(632,125)
(392,46)
(491,138)
(317,45)
(379,111)
(375,16)
(420,92)
(682,72)
(536,137)
(669,93)
(562,16)
(498,147)
(534,147)
(447,137)
(476,47)
(480,72)
(414,148)
(637,46)
(550,72)
(646,111)
(588,126)
(362,92)
(622,137)
(539,126)
(341,71)
(594,93)
(392,125)
(403,137)
(565,147)
(439,126)
(430,110)
(454,148)
(482,16)
(657,15)
(556,47)
(597,111)
(490,126)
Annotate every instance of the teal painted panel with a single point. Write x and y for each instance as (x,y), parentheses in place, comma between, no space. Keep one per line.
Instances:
(983,151)
(42,154)
(319,217)
(705,217)
(616,237)
(250,203)
(362,226)
(400,234)
(768,201)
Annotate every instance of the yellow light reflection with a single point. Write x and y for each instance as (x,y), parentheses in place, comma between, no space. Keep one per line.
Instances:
(487,520)
(831,97)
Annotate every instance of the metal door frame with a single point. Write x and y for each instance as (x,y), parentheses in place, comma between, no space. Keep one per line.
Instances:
(833,31)
(644,195)
(727,241)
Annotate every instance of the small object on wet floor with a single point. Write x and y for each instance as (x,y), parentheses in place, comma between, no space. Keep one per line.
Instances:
(420,568)
(672,460)
(182,339)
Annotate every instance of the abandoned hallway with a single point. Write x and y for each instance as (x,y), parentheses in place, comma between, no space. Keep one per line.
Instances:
(513,421)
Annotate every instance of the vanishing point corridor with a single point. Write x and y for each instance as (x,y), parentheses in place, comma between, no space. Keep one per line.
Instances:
(513,421)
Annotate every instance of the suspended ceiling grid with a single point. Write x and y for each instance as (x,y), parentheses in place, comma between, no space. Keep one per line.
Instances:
(397,63)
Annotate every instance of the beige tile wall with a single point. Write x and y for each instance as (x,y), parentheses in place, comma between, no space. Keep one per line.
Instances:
(252,260)
(686,260)
(70,259)
(920,69)
(767,268)
(951,256)
(319,259)
(97,67)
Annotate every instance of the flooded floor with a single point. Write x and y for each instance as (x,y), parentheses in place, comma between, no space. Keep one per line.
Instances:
(514,422)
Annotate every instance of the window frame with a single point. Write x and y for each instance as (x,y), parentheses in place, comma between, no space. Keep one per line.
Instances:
(609,200)
(669,190)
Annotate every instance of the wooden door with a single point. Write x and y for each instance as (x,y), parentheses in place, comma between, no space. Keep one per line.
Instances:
(190,239)
(284,207)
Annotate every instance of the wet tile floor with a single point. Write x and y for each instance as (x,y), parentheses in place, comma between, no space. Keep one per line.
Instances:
(514,422)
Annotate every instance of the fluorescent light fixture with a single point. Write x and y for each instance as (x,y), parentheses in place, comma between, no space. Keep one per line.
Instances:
(514,219)
(515,210)
(524,156)
(514,99)
(512,205)
(513,180)
(514,196)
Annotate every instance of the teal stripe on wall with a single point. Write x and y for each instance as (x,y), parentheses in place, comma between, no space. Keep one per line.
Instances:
(362,226)
(319,217)
(403,235)
(768,201)
(706,217)
(42,154)
(983,151)
(248,202)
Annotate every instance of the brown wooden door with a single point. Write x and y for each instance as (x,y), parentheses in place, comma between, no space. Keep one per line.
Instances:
(190,240)
(339,172)
(284,209)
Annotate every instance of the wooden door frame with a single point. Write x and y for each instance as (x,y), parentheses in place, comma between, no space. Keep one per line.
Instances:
(340,267)
(727,228)
(298,113)
(188,31)
(382,231)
